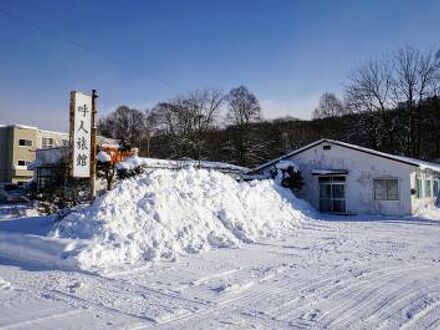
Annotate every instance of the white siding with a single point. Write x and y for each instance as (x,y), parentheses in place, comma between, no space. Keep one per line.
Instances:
(362,169)
(424,201)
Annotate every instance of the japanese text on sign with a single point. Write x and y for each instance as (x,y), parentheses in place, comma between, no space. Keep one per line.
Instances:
(82,135)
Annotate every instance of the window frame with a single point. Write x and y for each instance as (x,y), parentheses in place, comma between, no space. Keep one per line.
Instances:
(429,190)
(435,188)
(387,189)
(419,184)
(333,182)
(44,145)
(26,163)
(25,144)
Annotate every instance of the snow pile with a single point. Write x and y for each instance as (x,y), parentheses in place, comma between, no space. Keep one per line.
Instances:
(11,211)
(49,156)
(170,213)
(4,285)
(428,213)
(130,163)
(104,157)
(134,162)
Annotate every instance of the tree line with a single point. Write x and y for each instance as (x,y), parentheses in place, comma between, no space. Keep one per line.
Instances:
(391,104)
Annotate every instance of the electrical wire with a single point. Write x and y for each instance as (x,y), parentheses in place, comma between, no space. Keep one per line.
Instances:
(76,44)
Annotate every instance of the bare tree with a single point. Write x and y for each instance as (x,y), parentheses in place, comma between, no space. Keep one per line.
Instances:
(329,106)
(243,110)
(186,120)
(125,124)
(415,73)
(244,107)
(369,92)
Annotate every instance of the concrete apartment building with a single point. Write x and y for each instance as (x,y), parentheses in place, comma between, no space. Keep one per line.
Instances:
(17,149)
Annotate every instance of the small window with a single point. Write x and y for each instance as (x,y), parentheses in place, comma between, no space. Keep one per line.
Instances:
(386,189)
(25,143)
(22,163)
(435,188)
(327,147)
(47,142)
(428,188)
(419,193)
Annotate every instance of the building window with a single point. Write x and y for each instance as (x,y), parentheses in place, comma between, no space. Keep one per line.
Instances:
(386,189)
(332,194)
(47,142)
(435,188)
(428,188)
(23,163)
(25,143)
(419,193)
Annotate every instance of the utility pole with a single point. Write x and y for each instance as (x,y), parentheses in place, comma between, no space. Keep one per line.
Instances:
(93,150)
(286,148)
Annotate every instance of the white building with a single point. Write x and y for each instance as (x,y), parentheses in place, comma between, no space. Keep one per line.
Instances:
(345,178)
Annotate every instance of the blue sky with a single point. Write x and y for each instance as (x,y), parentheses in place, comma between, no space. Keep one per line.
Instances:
(141,52)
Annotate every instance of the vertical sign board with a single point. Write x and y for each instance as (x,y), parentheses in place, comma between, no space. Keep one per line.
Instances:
(81,134)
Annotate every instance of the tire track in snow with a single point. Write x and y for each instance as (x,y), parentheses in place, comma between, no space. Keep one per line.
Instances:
(35,320)
(320,295)
(75,301)
(360,297)
(243,301)
(405,305)
(427,318)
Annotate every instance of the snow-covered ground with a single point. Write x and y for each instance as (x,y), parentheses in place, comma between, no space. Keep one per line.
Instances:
(11,211)
(331,272)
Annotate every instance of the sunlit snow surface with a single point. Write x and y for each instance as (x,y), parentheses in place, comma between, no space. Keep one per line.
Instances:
(331,272)
(167,214)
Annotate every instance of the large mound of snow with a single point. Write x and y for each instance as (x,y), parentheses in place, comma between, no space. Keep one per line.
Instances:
(132,163)
(170,213)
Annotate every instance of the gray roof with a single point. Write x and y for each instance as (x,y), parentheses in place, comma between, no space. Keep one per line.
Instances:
(406,160)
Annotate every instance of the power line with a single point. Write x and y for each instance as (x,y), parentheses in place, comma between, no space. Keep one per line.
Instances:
(60,37)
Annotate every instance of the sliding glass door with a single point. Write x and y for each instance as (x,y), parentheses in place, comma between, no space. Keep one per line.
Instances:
(332,193)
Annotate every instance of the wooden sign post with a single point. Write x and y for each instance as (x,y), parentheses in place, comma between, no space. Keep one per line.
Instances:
(93,151)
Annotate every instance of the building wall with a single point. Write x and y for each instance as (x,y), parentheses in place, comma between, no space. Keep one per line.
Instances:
(20,173)
(58,139)
(362,169)
(11,152)
(5,153)
(425,201)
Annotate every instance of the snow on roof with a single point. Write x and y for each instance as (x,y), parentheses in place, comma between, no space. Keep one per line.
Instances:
(43,131)
(24,126)
(49,157)
(407,160)
(285,164)
(18,126)
(104,157)
(329,171)
(33,128)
